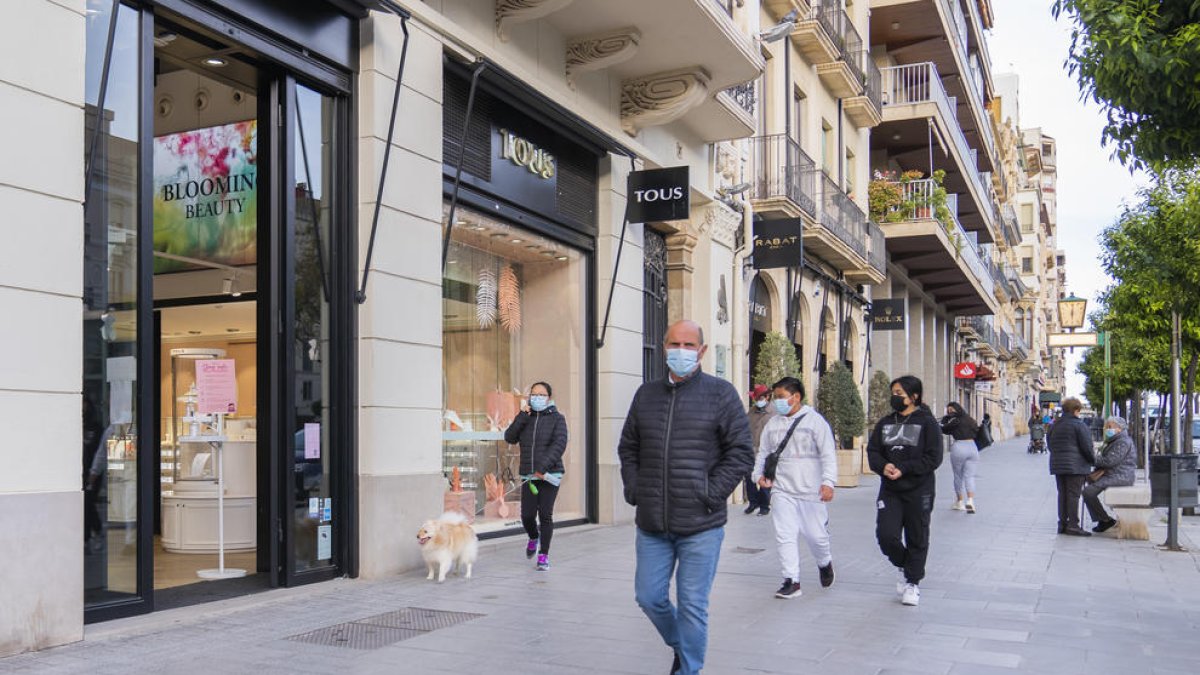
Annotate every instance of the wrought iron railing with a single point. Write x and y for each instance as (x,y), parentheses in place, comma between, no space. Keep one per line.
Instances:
(873,80)
(782,169)
(877,253)
(842,217)
(743,95)
(983,327)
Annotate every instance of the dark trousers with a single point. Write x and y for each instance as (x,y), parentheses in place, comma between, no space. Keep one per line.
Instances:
(902,529)
(1069,488)
(1091,499)
(539,509)
(756,496)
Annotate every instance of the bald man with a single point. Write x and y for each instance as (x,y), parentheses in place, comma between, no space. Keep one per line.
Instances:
(684,448)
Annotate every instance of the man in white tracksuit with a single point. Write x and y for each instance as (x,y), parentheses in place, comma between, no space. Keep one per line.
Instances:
(803,483)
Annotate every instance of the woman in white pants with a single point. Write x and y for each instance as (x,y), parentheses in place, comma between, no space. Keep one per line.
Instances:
(964,455)
(802,485)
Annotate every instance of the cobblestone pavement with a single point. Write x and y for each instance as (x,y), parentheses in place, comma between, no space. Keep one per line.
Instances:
(1004,593)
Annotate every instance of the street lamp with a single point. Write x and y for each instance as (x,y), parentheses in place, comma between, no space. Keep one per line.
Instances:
(1071,312)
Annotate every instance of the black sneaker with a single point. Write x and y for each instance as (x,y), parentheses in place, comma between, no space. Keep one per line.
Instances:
(1104,526)
(750,509)
(788,590)
(1077,532)
(826,575)
(764,511)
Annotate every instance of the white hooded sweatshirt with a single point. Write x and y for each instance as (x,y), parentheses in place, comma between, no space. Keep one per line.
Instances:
(809,460)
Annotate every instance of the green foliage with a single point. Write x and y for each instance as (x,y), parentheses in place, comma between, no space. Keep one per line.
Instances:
(1153,251)
(1140,60)
(888,204)
(839,402)
(776,360)
(879,394)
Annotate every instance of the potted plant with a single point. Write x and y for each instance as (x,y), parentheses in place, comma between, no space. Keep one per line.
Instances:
(776,360)
(838,400)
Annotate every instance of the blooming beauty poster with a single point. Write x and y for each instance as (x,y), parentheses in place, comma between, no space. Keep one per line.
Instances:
(206,196)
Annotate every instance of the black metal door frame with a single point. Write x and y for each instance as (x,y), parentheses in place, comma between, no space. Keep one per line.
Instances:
(281,65)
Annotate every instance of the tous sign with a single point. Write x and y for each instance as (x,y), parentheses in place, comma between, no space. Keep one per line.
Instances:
(523,153)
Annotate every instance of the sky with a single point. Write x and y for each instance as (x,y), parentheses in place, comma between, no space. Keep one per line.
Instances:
(1092,186)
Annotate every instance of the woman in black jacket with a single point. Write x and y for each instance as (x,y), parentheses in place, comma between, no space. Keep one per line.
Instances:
(542,432)
(964,454)
(905,449)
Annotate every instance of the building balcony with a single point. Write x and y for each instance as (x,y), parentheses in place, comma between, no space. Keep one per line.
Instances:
(675,59)
(1010,226)
(919,128)
(866,111)
(780,8)
(982,330)
(787,184)
(784,184)
(915,31)
(929,242)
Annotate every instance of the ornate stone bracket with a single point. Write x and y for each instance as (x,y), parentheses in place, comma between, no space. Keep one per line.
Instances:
(601,51)
(661,98)
(722,221)
(512,12)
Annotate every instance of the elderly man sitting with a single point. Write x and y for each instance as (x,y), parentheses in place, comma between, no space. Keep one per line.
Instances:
(1116,462)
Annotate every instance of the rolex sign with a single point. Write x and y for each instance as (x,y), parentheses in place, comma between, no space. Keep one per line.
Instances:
(887,314)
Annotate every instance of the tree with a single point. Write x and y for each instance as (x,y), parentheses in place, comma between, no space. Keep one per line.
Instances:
(839,402)
(1140,60)
(1153,250)
(776,360)
(879,393)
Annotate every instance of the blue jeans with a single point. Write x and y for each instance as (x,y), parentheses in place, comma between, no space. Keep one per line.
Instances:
(685,630)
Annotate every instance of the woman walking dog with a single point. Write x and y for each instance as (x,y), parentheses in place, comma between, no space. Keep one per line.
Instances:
(542,432)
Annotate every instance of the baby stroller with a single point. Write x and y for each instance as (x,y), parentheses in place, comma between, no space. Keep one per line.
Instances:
(1037,439)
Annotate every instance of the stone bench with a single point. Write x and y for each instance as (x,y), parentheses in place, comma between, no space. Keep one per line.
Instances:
(1130,505)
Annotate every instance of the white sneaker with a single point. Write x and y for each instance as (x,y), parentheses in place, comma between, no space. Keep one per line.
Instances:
(958,506)
(970,506)
(911,596)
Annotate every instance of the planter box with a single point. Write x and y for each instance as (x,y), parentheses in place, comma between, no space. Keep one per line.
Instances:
(849,467)
(462,502)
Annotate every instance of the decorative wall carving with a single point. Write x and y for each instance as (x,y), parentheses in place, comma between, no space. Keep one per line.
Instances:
(723,223)
(601,51)
(512,12)
(661,98)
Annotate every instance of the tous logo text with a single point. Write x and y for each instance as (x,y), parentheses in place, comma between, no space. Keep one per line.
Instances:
(523,153)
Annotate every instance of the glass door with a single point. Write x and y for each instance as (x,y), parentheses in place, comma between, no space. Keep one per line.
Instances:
(315,284)
(116,455)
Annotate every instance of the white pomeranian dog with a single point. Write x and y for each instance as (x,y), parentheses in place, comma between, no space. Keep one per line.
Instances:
(446,541)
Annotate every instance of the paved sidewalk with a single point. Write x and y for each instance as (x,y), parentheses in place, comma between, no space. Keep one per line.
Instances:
(1004,593)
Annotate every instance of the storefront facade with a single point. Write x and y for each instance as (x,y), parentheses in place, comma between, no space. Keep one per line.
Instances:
(246,198)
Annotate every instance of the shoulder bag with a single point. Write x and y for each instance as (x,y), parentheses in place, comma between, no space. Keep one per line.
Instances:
(771,464)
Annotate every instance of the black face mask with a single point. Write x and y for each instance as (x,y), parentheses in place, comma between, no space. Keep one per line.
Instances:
(898,403)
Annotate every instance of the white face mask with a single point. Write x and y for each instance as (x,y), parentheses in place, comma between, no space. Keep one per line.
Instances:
(760,403)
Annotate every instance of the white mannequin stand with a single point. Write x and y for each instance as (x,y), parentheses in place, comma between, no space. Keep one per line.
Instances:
(217,443)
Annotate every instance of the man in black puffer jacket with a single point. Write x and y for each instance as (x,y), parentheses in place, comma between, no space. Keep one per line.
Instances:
(684,448)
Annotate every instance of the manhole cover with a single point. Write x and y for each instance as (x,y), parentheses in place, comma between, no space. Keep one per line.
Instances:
(415,618)
(381,630)
(743,549)
(356,636)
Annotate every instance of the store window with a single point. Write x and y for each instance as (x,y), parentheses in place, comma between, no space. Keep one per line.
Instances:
(513,313)
(110,297)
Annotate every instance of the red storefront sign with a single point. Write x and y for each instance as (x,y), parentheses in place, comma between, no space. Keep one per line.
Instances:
(964,370)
